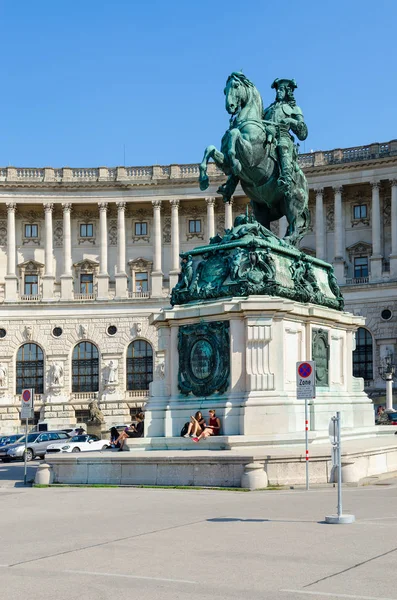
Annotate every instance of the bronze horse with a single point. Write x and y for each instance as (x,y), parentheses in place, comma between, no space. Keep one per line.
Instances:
(248,155)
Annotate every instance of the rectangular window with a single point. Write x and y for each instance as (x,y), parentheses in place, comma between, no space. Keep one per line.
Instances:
(141,282)
(86,283)
(86,230)
(194,226)
(361,266)
(31,287)
(360,211)
(31,231)
(141,228)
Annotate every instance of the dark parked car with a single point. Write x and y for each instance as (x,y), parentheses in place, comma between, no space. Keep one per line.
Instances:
(5,440)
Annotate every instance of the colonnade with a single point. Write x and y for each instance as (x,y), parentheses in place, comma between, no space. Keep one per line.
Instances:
(376,258)
(11,279)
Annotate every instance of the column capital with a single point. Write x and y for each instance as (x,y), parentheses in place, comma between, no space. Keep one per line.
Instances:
(393,182)
(231,201)
(375,185)
(103,206)
(48,207)
(156,203)
(11,206)
(174,203)
(338,189)
(121,206)
(210,201)
(67,207)
(319,191)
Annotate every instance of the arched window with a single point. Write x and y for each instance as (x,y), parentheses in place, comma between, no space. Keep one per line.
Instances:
(139,365)
(30,368)
(363,355)
(85,368)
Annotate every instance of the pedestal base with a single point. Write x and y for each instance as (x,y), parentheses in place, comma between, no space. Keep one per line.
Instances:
(157,285)
(174,276)
(103,286)
(11,291)
(340,520)
(48,288)
(267,337)
(121,285)
(393,266)
(376,268)
(67,287)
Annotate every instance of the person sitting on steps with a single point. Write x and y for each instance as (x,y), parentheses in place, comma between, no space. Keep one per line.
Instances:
(196,425)
(133,431)
(213,428)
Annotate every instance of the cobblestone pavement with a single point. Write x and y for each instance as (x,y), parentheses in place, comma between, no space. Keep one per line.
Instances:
(102,543)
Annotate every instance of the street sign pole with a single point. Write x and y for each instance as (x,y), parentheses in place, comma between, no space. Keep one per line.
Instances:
(307,441)
(306,390)
(25,470)
(335,438)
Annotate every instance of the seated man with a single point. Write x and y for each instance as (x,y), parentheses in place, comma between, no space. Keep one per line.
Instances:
(133,431)
(213,428)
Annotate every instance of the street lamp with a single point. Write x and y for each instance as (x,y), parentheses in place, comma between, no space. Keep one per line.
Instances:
(387,371)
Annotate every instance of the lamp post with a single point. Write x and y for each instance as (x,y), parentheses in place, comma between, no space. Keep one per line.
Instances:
(387,371)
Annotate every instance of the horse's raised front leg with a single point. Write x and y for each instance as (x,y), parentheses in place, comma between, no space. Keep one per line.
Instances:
(239,150)
(218,157)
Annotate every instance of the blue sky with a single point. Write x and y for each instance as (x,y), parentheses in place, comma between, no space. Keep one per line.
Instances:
(81,81)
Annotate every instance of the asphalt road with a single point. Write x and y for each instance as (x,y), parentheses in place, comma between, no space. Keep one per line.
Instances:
(101,543)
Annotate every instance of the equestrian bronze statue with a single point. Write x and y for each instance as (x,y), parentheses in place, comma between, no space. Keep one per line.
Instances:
(259,152)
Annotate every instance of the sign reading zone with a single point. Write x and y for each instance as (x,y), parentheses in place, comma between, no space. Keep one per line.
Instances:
(27,404)
(305,380)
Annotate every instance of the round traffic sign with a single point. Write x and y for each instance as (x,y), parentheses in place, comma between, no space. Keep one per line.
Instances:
(304,370)
(26,396)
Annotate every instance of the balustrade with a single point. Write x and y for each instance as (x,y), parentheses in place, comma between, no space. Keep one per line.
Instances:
(306,161)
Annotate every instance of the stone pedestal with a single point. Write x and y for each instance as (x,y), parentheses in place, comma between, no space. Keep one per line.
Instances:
(121,285)
(11,288)
(376,268)
(266,336)
(67,287)
(103,286)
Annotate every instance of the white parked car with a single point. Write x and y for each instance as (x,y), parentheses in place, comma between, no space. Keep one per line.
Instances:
(79,443)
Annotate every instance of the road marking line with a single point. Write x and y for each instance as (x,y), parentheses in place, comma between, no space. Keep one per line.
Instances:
(333,595)
(129,576)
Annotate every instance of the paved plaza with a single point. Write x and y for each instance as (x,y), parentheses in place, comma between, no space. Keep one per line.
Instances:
(101,543)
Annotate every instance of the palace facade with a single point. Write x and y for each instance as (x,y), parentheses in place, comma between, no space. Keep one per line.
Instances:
(87,255)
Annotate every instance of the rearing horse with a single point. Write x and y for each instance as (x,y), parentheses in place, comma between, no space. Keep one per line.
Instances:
(248,156)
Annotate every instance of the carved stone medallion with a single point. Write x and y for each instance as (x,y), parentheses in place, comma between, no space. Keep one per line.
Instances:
(204,361)
(320,354)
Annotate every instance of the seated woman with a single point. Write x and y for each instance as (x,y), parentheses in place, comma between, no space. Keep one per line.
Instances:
(196,425)
(213,428)
(114,435)
(133,431)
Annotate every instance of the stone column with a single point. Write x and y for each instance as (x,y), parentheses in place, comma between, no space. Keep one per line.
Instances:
(157,274)
(339,262)
(48,278)
(11,280)
(229,214)
(175,260)
(320,229)
(393,255)
(210,218)
(121,275)
(67,276)
(282,226)
(103,276)
(376,258)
